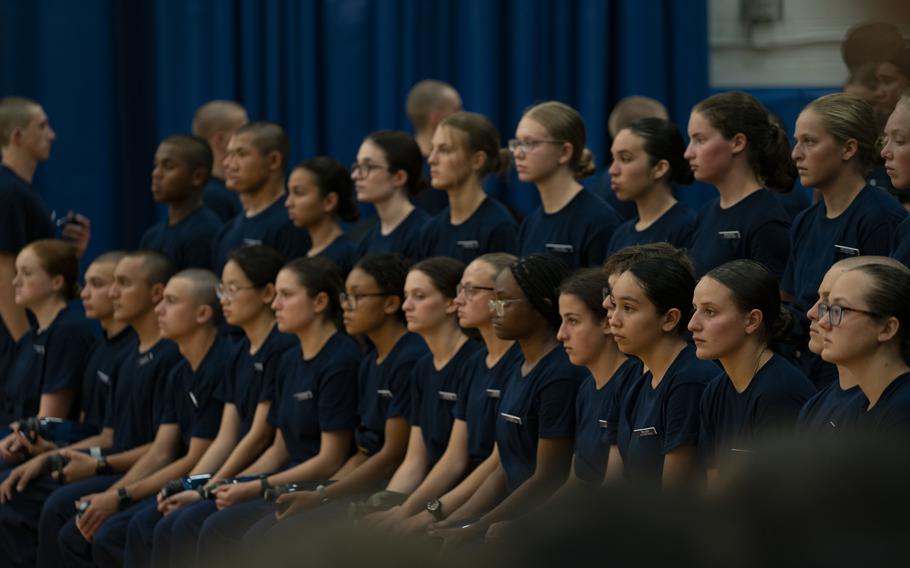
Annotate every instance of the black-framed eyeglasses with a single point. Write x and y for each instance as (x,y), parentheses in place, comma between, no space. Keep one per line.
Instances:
(469,291)
(363,170)
(351,300)
(835,313)
(228,292)
(528,146)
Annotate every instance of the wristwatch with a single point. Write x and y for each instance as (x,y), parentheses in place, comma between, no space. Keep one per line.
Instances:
(263,486)
(434,508)
(123,498)
(323,496)
(102,467)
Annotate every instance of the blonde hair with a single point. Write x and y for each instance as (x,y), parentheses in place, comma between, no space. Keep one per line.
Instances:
(848,117)
(480,136)
(566,125)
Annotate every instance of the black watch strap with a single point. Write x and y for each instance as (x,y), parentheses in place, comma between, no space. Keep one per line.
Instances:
(123,498)
(264,486)
(102,467)
(434,507)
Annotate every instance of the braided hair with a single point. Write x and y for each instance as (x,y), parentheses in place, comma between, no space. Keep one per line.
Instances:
(539,277)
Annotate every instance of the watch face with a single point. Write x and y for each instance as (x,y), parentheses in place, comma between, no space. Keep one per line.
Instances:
(433,505)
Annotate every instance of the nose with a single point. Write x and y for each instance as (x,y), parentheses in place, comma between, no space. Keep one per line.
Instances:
(812,314)
(689,154)
(561,334)
(694,324)
(613,170)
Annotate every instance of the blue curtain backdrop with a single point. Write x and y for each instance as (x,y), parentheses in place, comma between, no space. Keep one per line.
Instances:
(115,77)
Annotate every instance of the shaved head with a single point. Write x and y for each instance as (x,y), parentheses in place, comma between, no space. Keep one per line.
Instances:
(630,109)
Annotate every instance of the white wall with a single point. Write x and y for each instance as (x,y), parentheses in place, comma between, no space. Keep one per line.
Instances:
(801,49)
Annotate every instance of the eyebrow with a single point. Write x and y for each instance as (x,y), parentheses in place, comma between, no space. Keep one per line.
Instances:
(627,299)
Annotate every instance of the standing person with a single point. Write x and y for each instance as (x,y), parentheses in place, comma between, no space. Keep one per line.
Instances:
(255,168)
(320,193)
(215,122)
(734,145)
(386,172)
(429,102)
(465,149)
(738,320)
(182,165)
(656,422)
(648,158)
(571,223)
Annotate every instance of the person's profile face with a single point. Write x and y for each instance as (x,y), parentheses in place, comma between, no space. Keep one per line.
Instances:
(245,167)
(172,179)
(896,149)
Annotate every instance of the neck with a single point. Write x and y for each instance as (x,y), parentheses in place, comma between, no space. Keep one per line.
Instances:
(195,345)
(742,365)
(444,342)
(47,311)
(873,374)
(424,141)
(393,211)
(557,190)
(111,326)
(264,196)
(661,355)
(496,347)
(845,378)
(464,200)
(607,363)
(840,193)
(737,185)
(258,329)
(314,337)
(24,166)
(386,336)
(323,234)
(146,328)
(179,210)
(652,205)
(535,347)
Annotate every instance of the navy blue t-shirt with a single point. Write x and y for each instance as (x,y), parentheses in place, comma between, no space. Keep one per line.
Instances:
(794,201)
(101,373)
(189,242)
(891,414)
(385,390)
(676,227)
(316,395)
(190,401)
(270,227)
(48,361)
(538,405)
(756,228)
(652,422)
(732,421)
(603,188)
(831,409)
(430,200)
(251,376)
(866,227)
(137,402)
(490,229)
(478,403)
(404,239)
(900,248)
(578,234)
(592,411)
(341,252)
(220,200)
(434,396)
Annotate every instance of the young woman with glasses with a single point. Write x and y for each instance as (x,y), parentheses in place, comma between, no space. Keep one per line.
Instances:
(386,173)
(571,223)
(465,150)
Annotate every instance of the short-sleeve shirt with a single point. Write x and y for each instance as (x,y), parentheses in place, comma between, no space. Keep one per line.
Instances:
(136,404)
(832,410)
(891,414)
(316,395)
(189,242)
(220,200)
(756,228)
(385,390)
(489,229)
(578,234)
(592,410)
(676,226)
(478,404)
(652,422)
(434,396)
(733,421)
(251,376)
(190,400)
(901,246)
(270,227)
(866,227)
(48,361)
(101,373)
(404,239)
(341,252)
(539,405)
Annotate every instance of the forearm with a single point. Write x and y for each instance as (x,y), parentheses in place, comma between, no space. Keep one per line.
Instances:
(150,462)
(408,475)
(13,316)
(272,459)
(376,468)
(320,467)
(102,440)
(442,477)
(152,484)
(460,494)
(529,495)
(245,454)
(214,456)
(490,492)
(124,461)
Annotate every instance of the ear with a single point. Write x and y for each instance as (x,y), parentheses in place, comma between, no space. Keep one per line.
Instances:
(605,324)
(670,320)
(478,161)
(849,149)
(267,295)
(738,143)
(275,159)
(199,177)
(754,320)
(321,303)
(156,293)
(660,169)
(57,283)
(392,305)
(330,202)
(889,330)
(204,314)
(219,139)
(565,153)
(400,178)
(451,308)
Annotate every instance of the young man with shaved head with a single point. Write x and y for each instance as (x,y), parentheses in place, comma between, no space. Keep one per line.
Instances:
(215,122)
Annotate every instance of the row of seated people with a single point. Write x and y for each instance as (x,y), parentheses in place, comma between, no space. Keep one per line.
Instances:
(434,396)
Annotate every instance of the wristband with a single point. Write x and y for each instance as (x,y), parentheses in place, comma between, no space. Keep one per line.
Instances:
(95,452)
(323,496)
(123,498)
